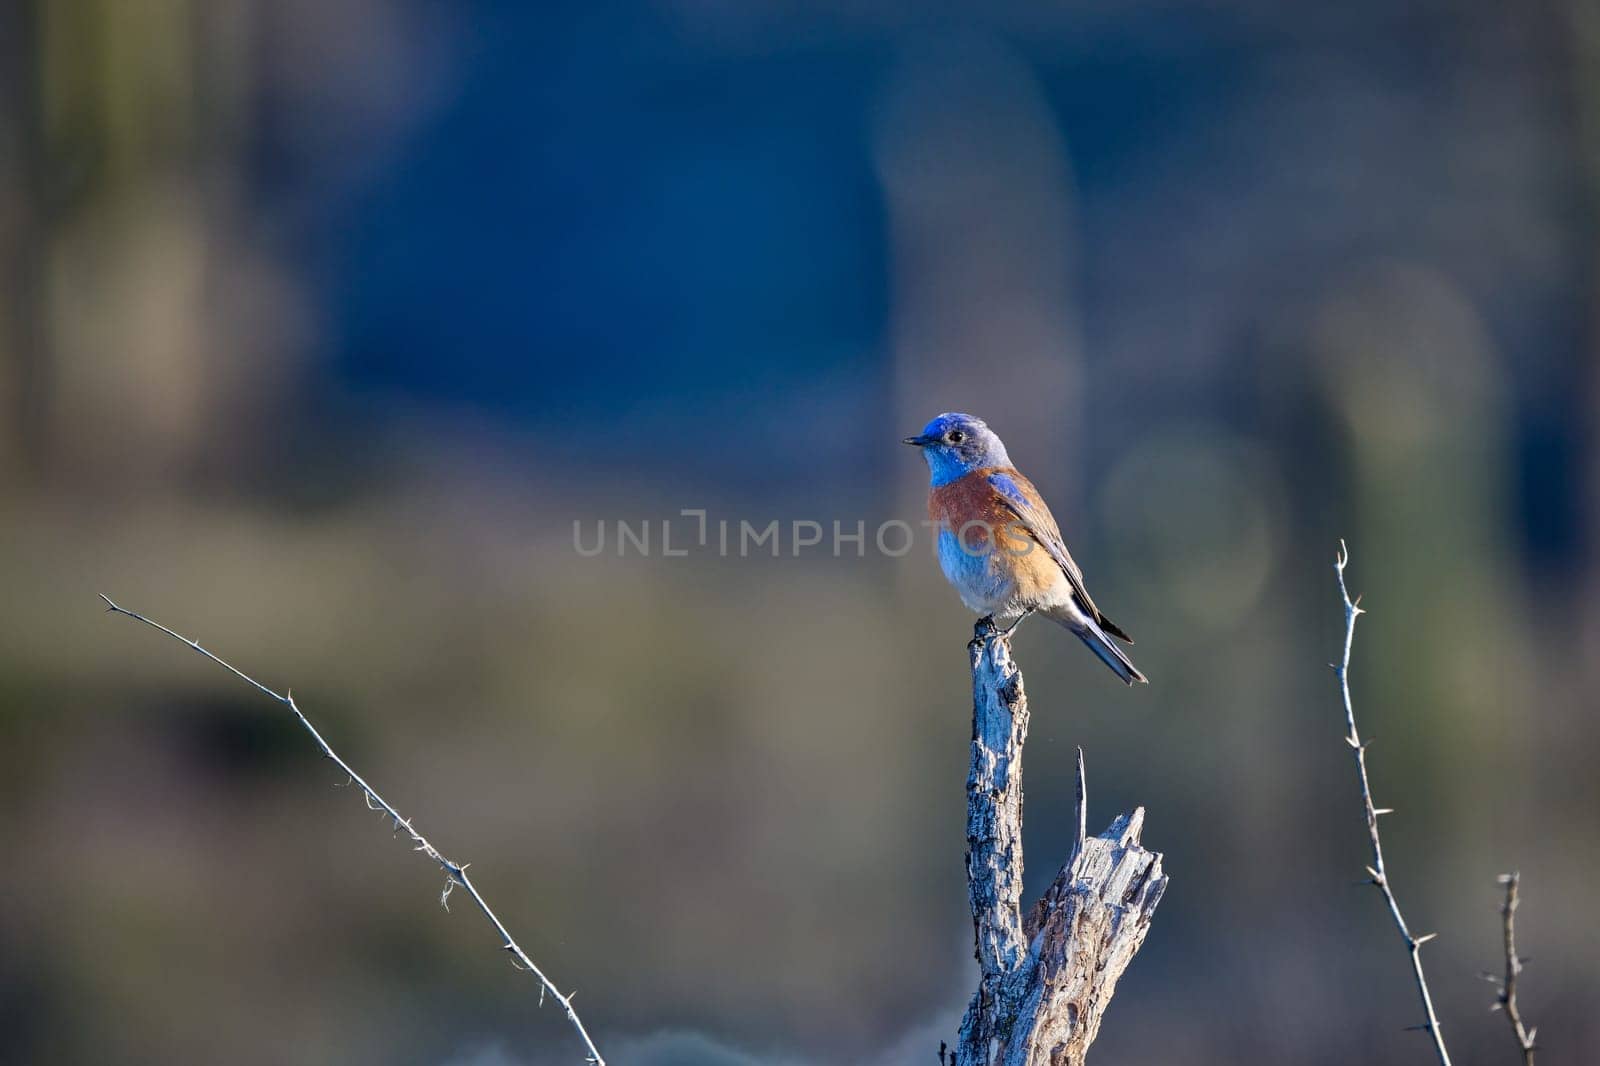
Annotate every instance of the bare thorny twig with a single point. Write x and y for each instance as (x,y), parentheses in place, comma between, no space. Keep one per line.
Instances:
(455,873)
(1507,999)
(1377,873)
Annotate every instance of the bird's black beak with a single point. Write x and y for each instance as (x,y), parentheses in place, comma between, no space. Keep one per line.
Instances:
(918,442)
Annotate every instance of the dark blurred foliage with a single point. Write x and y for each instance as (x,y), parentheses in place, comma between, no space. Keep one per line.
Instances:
(326,321)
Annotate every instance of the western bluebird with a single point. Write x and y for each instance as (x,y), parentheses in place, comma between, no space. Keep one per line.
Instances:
(998,543)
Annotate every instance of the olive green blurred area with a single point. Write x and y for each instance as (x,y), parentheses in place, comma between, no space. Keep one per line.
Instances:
(327,329)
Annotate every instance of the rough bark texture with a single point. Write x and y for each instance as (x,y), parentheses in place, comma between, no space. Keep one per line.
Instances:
(1047,977)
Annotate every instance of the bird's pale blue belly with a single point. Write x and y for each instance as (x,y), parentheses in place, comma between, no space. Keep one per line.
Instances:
(976,574)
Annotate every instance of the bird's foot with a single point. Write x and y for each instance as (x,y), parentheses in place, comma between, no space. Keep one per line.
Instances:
(987,627)
(1006,632)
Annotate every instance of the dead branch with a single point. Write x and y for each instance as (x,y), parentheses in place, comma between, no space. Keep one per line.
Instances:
(1507,999)
(455,873)
(1047,977)
(1377,873)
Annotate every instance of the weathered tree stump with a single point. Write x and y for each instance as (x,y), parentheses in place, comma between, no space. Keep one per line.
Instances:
(1047,976)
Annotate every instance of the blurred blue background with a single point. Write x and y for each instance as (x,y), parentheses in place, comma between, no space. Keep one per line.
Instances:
(326,322)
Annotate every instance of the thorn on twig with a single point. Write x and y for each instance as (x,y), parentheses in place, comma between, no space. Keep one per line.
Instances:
(1382,810)
(1418,941)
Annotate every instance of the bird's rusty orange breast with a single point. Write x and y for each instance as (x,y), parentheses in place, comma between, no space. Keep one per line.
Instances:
(970,508)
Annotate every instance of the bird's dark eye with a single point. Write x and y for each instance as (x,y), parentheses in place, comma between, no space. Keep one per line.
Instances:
(956,436)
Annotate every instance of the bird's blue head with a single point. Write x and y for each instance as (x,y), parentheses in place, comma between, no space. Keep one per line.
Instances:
(956,444)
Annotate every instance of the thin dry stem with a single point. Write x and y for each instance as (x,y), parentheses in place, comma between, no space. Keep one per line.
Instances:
(1377,872)
(1081,808)
(455,873)
(1507,1000)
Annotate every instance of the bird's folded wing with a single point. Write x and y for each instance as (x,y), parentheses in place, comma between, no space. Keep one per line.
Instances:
(1017,495)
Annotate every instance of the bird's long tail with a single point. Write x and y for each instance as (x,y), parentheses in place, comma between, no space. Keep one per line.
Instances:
(1091,634)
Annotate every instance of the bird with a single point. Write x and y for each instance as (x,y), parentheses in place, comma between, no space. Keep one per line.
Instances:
(999,545)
